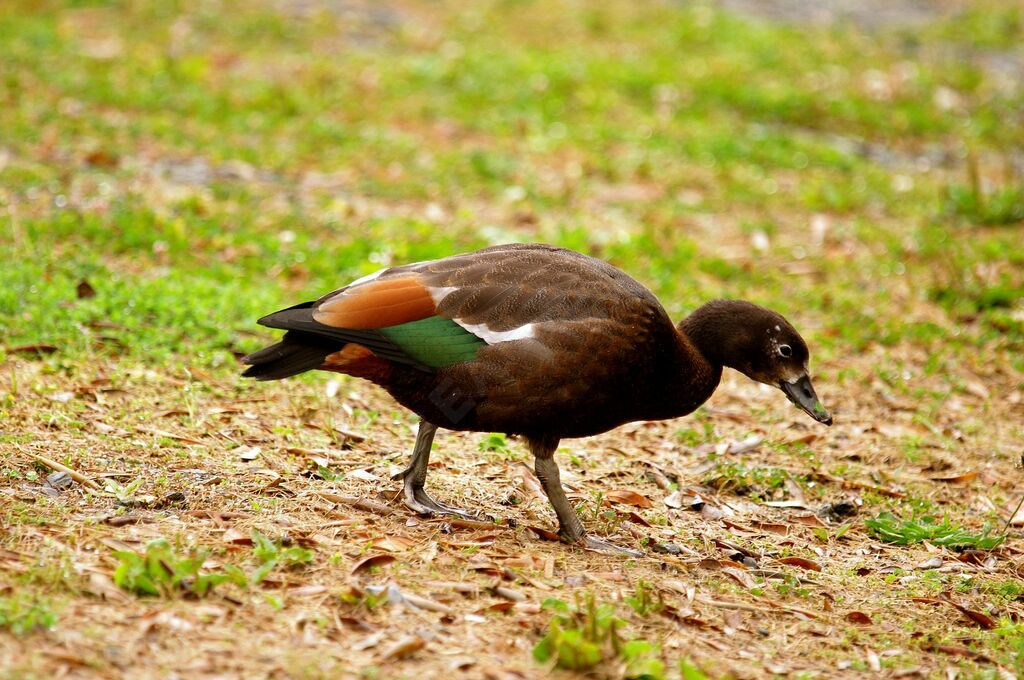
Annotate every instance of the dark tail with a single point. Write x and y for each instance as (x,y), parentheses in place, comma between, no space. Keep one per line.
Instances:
(296,353)
(308,342)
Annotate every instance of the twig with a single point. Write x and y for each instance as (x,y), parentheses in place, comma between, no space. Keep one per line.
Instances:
(1013,514)
(77,476)
(355,502)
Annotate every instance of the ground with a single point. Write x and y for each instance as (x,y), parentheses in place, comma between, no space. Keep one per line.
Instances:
(171,171)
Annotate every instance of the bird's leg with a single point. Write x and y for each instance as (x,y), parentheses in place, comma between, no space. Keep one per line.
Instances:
(569,525)
(415,476)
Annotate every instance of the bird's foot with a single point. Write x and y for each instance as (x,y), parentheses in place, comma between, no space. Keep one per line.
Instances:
(591,543)
(417,500)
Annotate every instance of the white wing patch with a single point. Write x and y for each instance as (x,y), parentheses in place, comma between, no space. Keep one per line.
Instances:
(439,293)
(367,278)
(481,331)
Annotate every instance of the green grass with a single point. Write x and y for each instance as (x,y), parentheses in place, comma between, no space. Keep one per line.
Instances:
(188,258)
(160,571)
(907,531)
(22,614)
(587,634)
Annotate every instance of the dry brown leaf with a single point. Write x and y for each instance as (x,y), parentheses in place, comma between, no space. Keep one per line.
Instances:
(544,534)
(372,561)
(628,497)
(980,618)
(801,562)
(529,482)
(805,438)
(355,502)
(808,521)
(771,527)
(405,647)
(32,349)
(103,586)
(859,618)
(84,290)
(957,479)
(505,606)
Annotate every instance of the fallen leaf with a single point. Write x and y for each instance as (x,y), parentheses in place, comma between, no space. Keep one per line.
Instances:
(628,497)
(980,618)
(957,479)
(405,647)
(801,562)
(103,586)
(528,480)
(32,349)
(236,537)
(372,561)
(956,650)
(497,607)
(635,518)
(84,290)
(711,513)
(859,618)
(771,527)
(356,502)
(806,438)
(808,521)
(544,534)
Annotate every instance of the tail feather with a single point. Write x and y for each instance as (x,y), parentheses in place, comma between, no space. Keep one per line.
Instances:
(296,353)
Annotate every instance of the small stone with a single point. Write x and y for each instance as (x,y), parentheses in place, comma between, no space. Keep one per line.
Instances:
(838,511)
(59,481)
(667,548)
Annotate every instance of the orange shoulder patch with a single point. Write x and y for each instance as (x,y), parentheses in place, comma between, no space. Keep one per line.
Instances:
(378,304)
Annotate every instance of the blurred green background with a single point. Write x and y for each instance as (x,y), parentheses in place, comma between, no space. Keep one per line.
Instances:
(169,171)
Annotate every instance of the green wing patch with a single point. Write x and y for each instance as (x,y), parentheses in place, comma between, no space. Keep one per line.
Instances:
(434,341)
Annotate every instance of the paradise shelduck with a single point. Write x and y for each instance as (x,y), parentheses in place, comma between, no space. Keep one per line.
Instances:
(534,340)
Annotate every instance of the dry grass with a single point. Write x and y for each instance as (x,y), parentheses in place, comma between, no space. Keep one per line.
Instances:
(763,617)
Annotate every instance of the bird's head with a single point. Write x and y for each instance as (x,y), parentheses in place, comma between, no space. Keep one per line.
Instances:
(759,343)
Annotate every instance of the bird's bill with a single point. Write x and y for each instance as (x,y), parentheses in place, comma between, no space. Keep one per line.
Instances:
(801,393)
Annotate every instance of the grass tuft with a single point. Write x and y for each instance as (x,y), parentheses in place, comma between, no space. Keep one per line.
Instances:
(892,529)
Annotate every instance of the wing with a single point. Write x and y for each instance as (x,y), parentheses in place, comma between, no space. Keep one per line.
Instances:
(436,313)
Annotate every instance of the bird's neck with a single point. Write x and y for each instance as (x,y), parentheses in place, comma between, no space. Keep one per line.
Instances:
(697,376)
(686,378)
(705,343)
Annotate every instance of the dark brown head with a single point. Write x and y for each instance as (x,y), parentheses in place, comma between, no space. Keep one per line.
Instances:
(759,343)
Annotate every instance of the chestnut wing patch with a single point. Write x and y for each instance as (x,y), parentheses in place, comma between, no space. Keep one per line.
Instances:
(377,304)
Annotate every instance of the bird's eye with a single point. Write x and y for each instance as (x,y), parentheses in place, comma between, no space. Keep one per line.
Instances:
(785,350)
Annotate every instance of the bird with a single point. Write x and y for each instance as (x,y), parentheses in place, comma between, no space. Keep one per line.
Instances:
(533,340)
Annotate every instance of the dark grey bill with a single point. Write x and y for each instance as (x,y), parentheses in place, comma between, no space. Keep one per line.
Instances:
(802,394)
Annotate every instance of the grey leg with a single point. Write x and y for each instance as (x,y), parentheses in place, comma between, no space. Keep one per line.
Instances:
(569,525)
(415,476)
